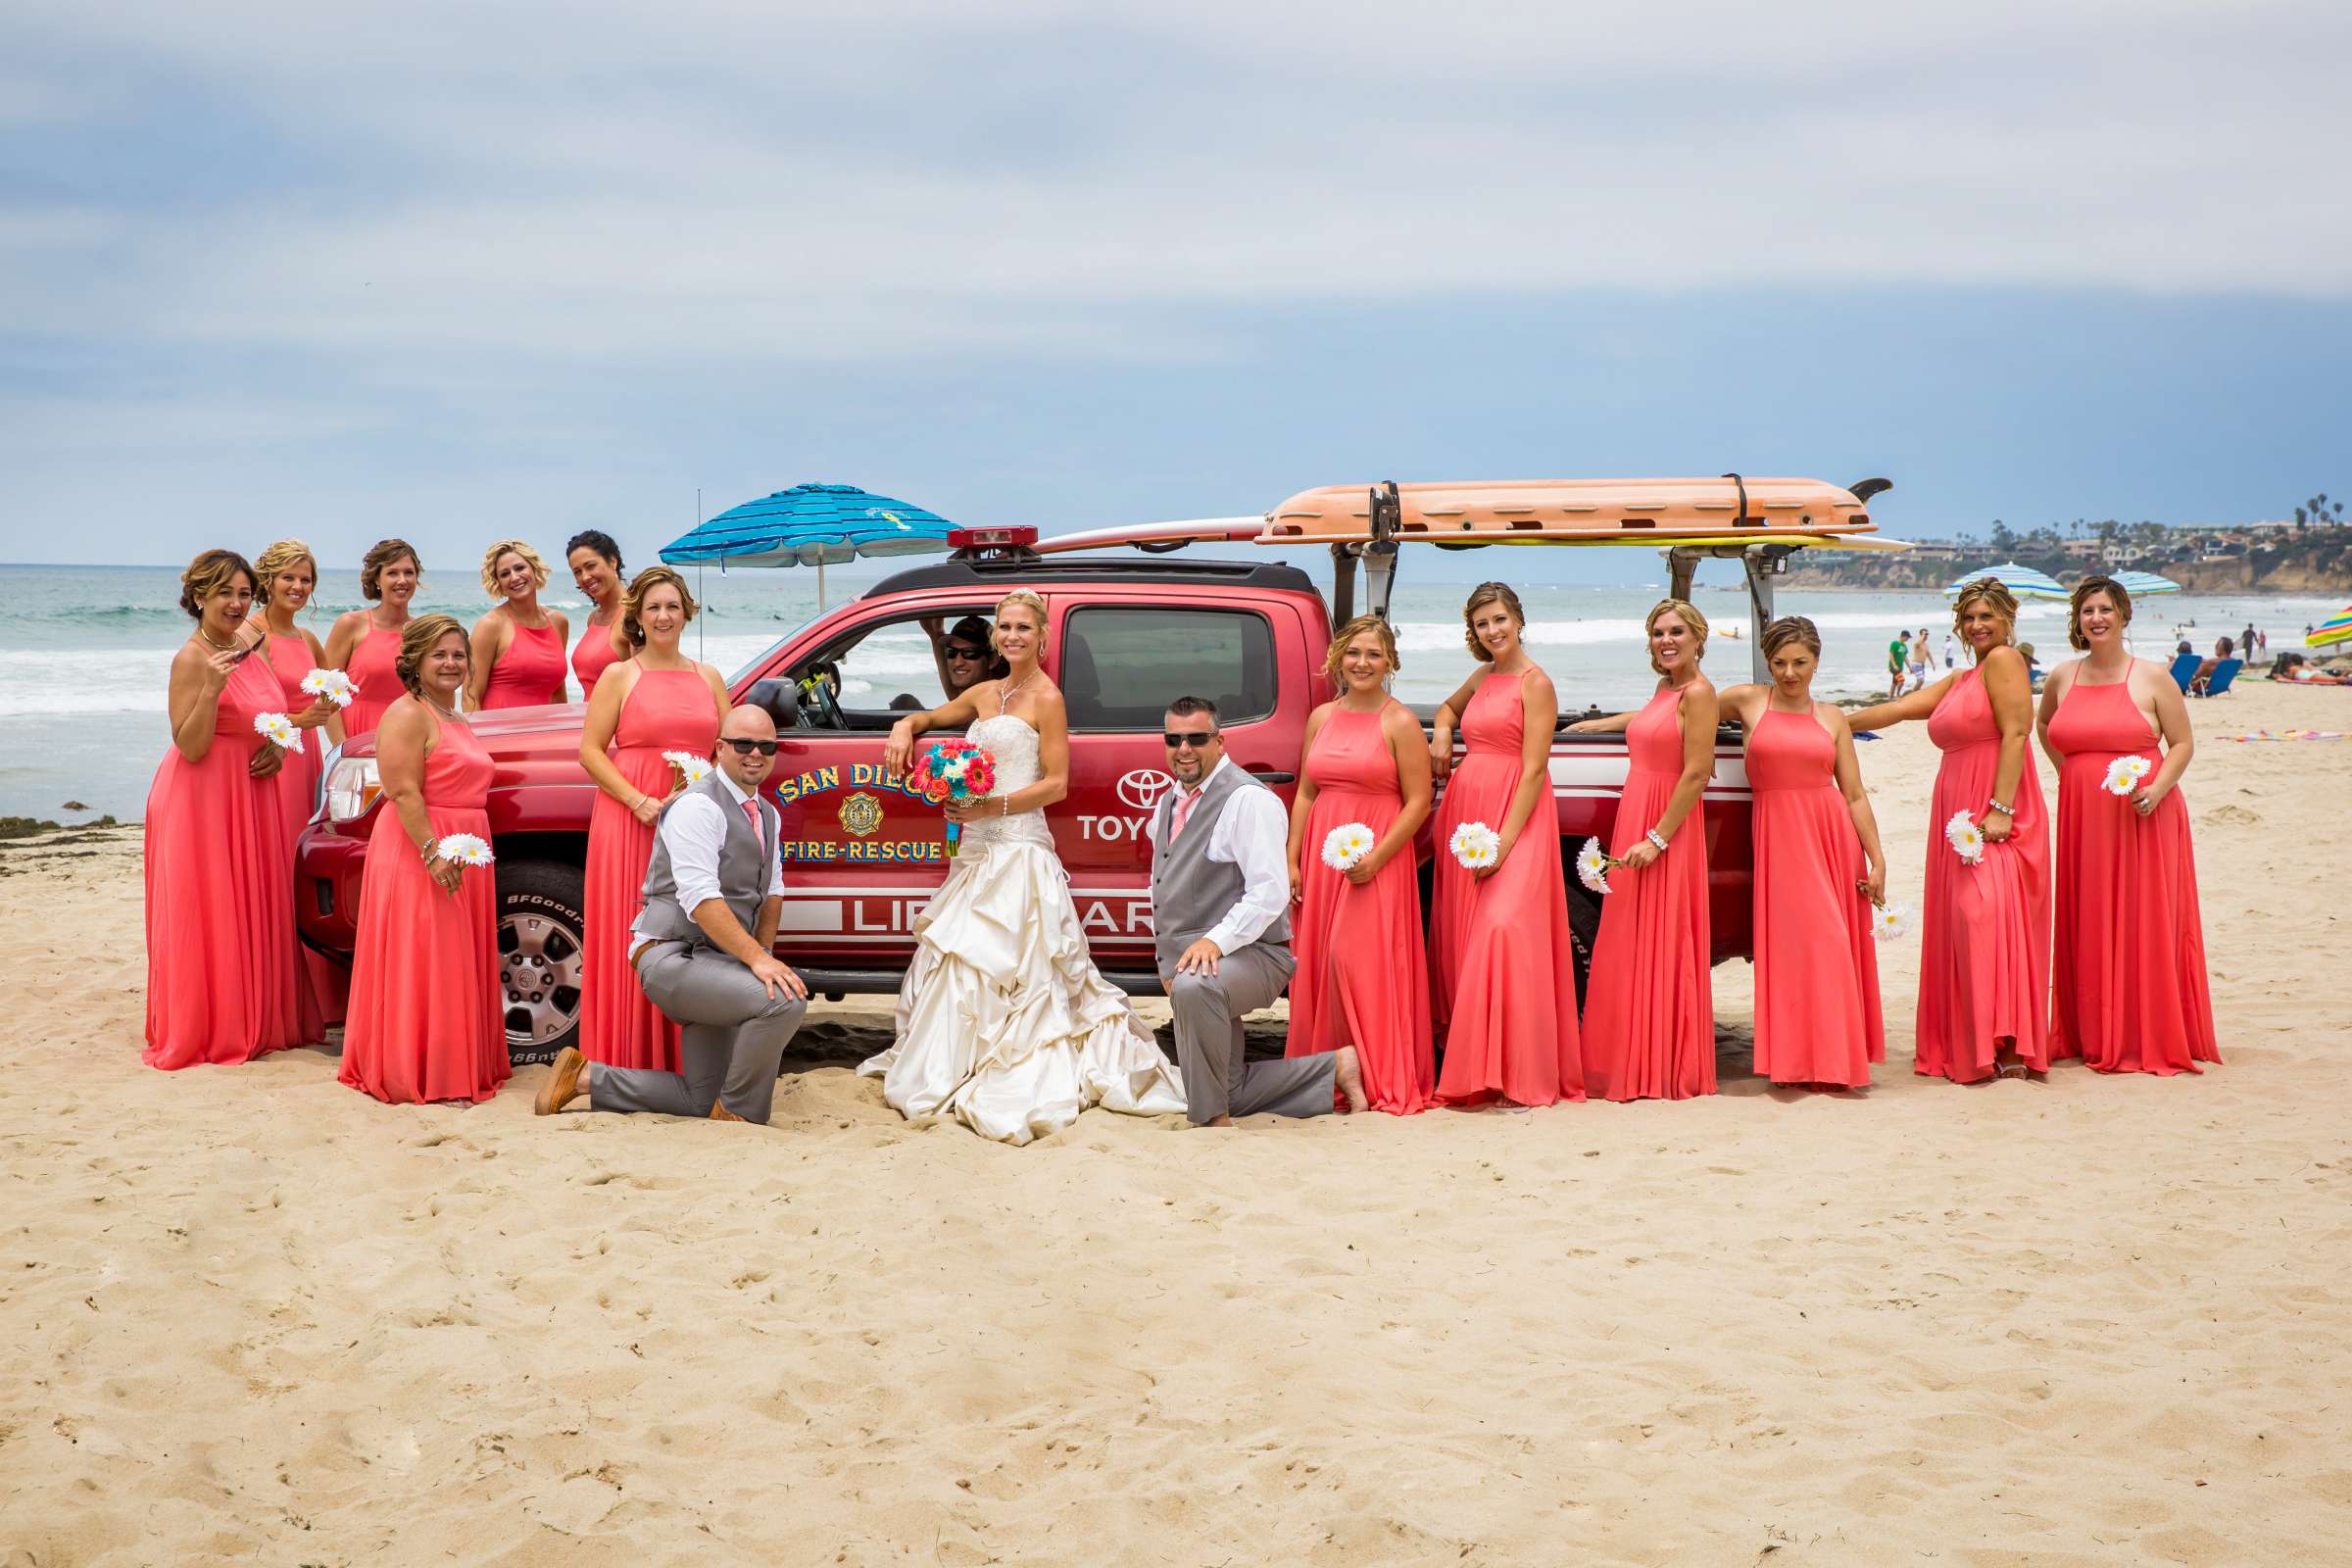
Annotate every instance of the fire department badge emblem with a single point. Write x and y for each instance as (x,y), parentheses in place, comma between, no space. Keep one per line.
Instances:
(861,815)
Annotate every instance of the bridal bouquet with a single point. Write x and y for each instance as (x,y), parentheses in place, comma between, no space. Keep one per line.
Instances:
(953,769)
(690,768)
(1965,837)
(1475,846)
(2124,774)
(1345,846)
(279,730)
(1594,866)
(331,684)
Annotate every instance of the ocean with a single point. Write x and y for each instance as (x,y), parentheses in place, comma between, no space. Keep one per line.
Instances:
(85,651)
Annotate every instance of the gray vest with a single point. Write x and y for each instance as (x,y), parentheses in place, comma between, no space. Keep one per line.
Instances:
(1190,892)
(744,862)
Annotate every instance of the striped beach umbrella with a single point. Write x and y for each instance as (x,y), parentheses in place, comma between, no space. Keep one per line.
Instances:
(2334,629)
(2023,582)
(811,525)
(2140,584)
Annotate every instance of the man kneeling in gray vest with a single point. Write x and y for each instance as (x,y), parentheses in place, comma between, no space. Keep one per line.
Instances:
(1220,902)
(703,948)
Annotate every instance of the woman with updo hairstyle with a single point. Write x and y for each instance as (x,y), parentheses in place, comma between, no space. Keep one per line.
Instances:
(220,902)
(1984,930)
(365,643)
(2127,983)
(519,646)
(656,702)
(288,574)
(1818,870)
(594,557)
(1363,976)
(1650,1013)
(424,1022)
(1501,958)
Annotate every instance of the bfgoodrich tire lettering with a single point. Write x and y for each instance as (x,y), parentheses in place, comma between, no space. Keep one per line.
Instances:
(539,953)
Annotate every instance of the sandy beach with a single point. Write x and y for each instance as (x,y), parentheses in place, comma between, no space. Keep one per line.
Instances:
(249,1315)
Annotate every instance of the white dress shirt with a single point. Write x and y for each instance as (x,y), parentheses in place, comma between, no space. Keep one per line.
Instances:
(692,830)
(1253,833)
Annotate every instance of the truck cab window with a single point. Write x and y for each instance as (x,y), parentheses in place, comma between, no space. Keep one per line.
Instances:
(1121,666)
(886,669)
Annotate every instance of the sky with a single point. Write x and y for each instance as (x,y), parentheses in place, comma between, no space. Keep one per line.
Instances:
(456,271)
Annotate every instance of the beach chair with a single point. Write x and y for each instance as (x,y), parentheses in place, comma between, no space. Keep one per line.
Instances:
(2184,666)
(2218,681)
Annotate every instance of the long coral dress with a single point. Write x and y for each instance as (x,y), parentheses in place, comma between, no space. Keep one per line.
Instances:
(315,990)
(1502,964)
(1984,930)
(1649,1014)
(592,656)
(425,1021)
(2129,991)
(375,681)
(1363,975)
(1817,964)
(220,898)
(530,672)
(666,711)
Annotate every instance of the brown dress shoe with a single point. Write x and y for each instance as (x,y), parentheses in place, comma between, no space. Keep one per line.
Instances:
(720,1113)
(562,1083)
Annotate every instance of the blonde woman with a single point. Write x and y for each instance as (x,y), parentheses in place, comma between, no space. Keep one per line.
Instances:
(1363,975)
(1984,928)
(289,573)
(1649,1015)
(519,647)
(1004,1024)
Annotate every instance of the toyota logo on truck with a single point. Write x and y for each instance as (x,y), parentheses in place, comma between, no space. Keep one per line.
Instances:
(1139,790)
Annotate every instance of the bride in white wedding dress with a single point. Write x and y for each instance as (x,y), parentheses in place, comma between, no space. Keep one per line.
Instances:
(1003,1022)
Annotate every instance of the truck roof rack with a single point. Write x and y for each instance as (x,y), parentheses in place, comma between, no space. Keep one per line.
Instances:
(990,574)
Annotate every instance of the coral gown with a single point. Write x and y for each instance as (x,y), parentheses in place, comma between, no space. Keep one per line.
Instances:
(666,711)
(1984,930)
(1817,964)
(1503,964)
(1649,1014)
(2128,988)
(425,1021)
(219,895)
(375,681)
(1363,977)
(315,987)
(592,656)
(530,672)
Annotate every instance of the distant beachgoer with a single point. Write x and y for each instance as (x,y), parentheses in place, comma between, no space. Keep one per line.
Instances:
(1918,662)
(594,557)
(1898,661)
(1985,938)
(518,659)
(2222,649)
(219,903)
(1950,651)
(2245,639)
(425,1021)
(2127,983)
(365,644)
(1649,1012)
(2262,643)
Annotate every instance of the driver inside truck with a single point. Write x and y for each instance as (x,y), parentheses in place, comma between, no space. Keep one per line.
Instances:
(965,655)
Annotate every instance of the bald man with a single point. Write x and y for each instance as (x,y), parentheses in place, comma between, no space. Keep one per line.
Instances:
(703,948)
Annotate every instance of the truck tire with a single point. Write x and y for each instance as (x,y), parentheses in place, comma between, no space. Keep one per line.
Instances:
(539,956)
(1584,925)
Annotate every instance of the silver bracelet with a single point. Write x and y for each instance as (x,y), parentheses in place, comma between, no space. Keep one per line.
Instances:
(1659,839)
(431,844)
(1996,805)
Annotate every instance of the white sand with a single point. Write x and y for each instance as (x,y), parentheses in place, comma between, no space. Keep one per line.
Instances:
(249,1315)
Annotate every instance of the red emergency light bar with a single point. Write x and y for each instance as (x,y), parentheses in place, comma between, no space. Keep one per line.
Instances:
(991,538)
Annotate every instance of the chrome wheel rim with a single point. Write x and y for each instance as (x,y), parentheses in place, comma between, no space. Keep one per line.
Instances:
(539,964)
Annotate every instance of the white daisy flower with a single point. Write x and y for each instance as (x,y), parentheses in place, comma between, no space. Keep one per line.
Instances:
(332,684)
(1475,846)
(279,730)
(1966,838)
(1888,922)
(466,848)
(1346,845)
(692,769)
(1593,864)
(2124,774)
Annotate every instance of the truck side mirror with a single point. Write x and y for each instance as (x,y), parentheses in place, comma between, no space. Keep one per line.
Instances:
(780,697)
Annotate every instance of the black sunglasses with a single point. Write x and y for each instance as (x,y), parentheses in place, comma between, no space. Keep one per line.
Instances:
(1178,740)
(747,747)
(959,650)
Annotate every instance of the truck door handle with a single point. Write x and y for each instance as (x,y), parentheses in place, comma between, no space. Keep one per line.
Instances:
(1268,776)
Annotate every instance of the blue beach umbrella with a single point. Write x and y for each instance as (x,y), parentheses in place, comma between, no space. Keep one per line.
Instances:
(812,525)
(2023,582)
(2140,584)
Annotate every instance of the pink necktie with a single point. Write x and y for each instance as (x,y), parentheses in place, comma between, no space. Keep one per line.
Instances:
(751,808)
(1184,809)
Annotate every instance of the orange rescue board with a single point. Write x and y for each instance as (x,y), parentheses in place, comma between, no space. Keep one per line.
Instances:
(1573,510)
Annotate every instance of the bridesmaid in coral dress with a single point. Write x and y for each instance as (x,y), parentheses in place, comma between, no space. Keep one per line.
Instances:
(1502,964)
(424,1022)
(1984,930)
(2127,983)
(660,700)
(1649,1012)
(365,644)
(595,561)
(219,905)
(519,646)
(1818,870)
(289,574)
(1362,979)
